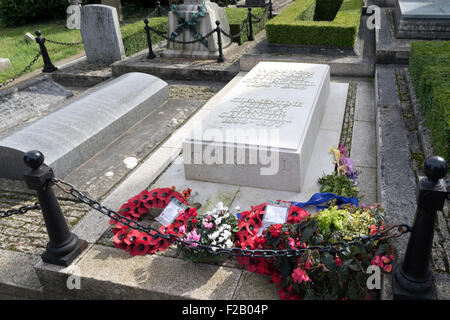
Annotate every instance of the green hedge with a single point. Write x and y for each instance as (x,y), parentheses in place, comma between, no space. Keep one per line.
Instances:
(14,13)
(135,38)
(236,18)
(297,24)
(429,67)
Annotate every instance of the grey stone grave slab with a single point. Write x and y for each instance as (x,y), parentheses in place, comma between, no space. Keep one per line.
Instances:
(101,34)
(74,133)
(420,19)
(275,109)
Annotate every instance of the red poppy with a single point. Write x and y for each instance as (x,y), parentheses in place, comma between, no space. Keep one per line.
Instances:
(275,230)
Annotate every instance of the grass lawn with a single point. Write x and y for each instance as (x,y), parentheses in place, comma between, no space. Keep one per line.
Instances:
(13,46)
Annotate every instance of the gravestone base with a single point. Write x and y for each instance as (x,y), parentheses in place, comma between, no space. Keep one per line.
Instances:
(422,20)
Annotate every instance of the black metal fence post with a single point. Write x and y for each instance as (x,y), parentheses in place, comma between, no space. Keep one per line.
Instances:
(158,7)
(64,246)
(250,25)
(219,42)
(412,278)
(150,55)
(270,9)
(48,65)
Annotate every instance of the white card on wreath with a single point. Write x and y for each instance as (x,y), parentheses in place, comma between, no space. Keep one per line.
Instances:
(275,214)
(169,214)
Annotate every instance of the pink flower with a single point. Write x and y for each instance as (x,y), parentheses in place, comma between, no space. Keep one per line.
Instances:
(193,236)
(308,264)
(373,229)
(388,268)
(291,243)
(206,224)
(385,259)
(392,256)
(182,229)
(300,275)
(338,261)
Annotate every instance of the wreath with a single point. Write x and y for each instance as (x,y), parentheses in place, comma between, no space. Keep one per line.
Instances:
(140,243)
(248,237)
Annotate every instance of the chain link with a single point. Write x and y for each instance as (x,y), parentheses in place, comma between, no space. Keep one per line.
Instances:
(64,43)
(27,68)
(19,211)
(337,247)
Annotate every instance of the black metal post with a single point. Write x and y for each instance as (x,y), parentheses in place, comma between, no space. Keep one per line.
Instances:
(158,7)
(250,25)
(150,55)
(270,9)
(64,246)
(48,65)
(412,278)
(219,42)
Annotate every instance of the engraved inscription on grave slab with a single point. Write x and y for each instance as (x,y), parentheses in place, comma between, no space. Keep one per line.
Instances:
(284,79)
(262,112)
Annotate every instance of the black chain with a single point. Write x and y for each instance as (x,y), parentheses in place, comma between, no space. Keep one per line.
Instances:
(22,72)
(64,43)
(244,28)
(258,19)
(19,211)
(338,247)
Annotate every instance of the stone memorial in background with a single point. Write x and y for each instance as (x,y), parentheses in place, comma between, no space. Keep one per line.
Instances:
(100,31)
(73,14)
(423,19)
(76,132)
(192,20)
(116,4)
(5,64)
(29,38)
(262,132)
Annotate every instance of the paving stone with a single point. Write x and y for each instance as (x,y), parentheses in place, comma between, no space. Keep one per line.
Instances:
(109,273)
(442,283)
(364,144)
(18,277)
(365,102)
(254,286)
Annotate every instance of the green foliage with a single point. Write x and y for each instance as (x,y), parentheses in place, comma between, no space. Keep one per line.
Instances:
(429,67)
(236,18)
(135,37)
(338,184)
(329,275)
(20,12)
(326,10)
(295,25)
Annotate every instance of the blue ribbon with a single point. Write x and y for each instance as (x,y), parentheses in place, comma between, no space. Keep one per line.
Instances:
(318,199)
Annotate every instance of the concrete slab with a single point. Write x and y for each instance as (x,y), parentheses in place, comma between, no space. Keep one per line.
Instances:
(109,273)
(17,276)
(364,144)
(425,9)
(254,286)
(84,126)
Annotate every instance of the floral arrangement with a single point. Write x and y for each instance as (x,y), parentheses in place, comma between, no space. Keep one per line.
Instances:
(342,182)
(321,275)
(216,228)
(139,243)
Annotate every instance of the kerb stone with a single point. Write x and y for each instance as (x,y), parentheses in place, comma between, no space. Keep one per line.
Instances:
(101,34)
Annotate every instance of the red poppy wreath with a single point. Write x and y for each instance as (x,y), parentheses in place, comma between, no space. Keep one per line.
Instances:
(140,243)
(248,237)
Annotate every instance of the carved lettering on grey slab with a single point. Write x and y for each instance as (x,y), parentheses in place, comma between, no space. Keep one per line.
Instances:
(284,79)
(262,112)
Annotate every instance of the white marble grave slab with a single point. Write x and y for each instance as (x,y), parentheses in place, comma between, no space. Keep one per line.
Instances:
(425,9)
(263,131)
